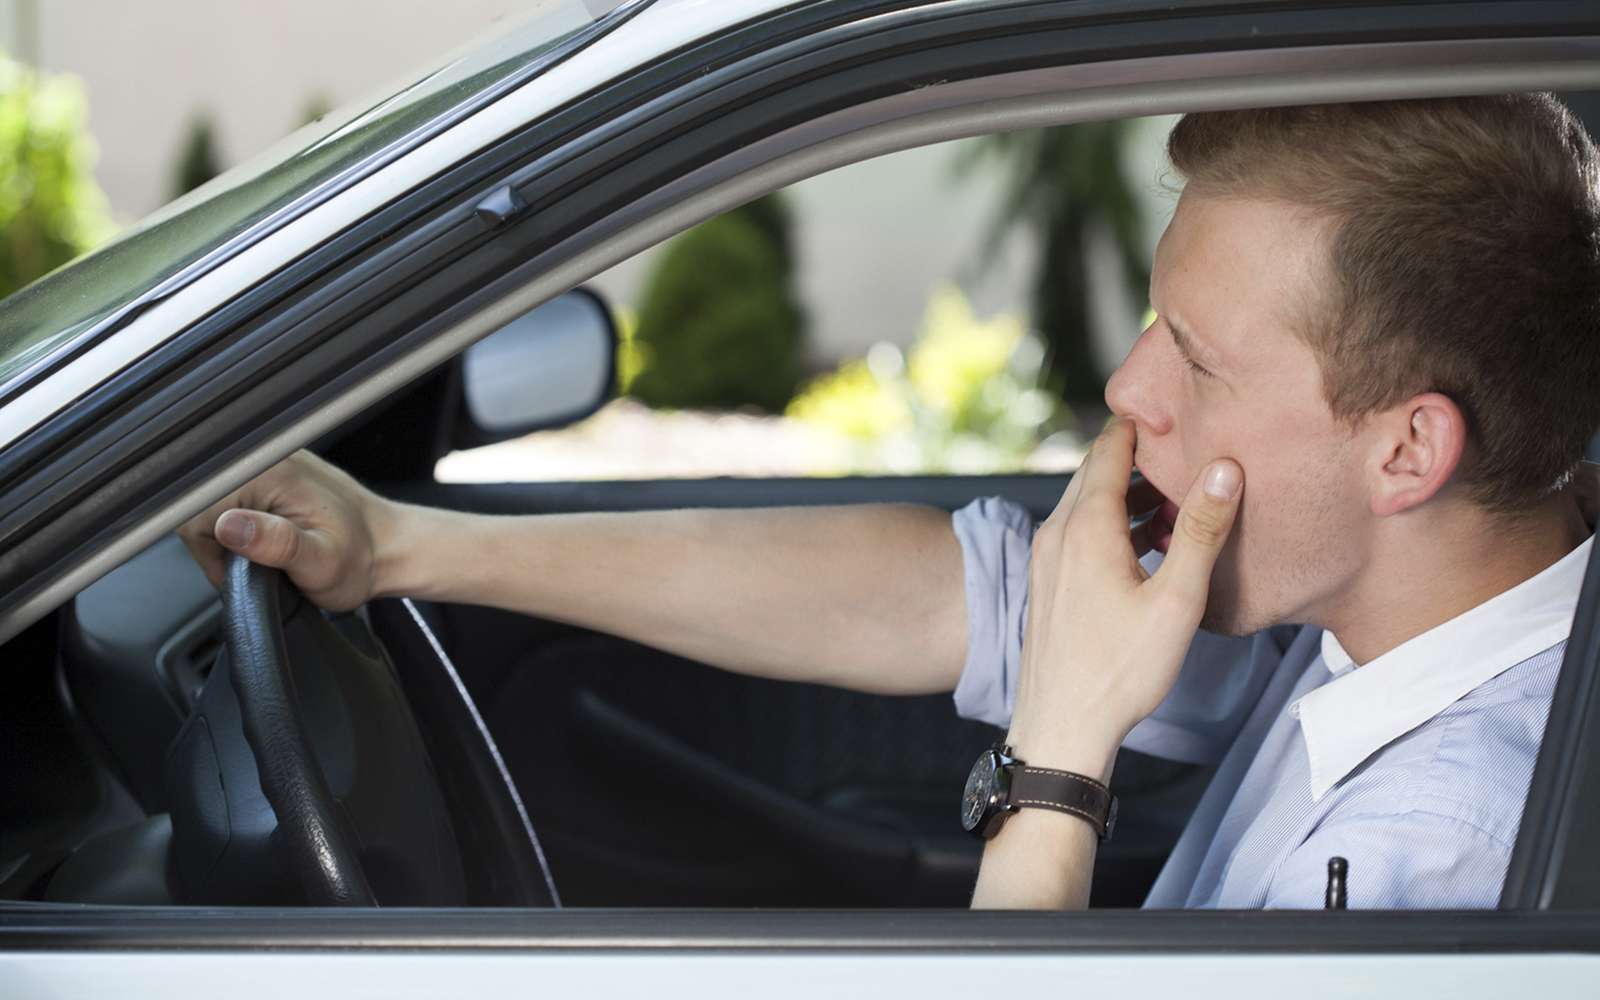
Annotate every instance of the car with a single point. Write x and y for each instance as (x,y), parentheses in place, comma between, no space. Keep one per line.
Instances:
(170,823)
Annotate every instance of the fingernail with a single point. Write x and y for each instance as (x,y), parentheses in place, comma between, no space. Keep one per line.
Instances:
(1222,480)
(236,531)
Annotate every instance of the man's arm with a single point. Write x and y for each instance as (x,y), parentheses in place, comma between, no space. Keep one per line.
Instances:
(869,597)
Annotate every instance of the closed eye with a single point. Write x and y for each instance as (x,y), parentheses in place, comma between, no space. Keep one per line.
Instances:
(1178,341)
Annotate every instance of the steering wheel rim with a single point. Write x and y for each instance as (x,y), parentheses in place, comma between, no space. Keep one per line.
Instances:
(320,849)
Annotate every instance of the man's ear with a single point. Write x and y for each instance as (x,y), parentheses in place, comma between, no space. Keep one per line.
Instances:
(1416,448)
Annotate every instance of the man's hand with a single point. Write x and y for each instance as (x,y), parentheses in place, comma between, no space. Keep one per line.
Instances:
(305,517)
(1102,647)
(1104,639)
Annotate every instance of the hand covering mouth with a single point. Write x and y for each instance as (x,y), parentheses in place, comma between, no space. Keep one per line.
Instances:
(1158,523)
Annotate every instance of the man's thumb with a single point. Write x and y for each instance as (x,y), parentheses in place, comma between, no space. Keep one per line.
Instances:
(262,538)
(1205,518)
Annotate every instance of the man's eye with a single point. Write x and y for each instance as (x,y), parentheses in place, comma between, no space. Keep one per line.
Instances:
(1196,368)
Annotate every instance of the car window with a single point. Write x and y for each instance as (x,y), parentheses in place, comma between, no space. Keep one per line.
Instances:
(949,309)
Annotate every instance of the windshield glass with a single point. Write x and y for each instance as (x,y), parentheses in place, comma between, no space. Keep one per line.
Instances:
(47,316)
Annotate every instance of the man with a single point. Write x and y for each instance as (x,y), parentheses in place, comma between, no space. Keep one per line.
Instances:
(1360,406)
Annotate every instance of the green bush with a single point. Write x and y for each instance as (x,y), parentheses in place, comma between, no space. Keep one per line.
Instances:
(51,209)
(967,399)
(719,326)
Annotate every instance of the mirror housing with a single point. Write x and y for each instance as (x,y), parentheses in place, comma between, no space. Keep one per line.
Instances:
(551,366)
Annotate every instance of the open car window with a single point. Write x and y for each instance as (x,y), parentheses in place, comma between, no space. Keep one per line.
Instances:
(879,319)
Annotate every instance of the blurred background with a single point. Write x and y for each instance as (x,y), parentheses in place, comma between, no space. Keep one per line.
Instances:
(955,308)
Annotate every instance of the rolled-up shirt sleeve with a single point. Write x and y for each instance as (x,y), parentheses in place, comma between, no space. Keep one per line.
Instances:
(1220,682)
(996,538)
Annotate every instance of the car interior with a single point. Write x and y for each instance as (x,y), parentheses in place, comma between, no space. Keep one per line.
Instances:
(561,764)
(650,780)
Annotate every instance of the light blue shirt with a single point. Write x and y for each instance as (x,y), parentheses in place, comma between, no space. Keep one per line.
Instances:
(1413,767)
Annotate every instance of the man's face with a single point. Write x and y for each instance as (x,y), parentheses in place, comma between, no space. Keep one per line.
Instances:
(1222,373)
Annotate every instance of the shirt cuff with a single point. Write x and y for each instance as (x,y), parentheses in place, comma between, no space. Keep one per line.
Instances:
(996,537)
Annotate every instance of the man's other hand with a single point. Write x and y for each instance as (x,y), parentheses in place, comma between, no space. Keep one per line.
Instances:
(305,517)
(1104,640)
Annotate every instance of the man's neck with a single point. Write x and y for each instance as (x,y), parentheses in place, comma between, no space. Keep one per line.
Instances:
(1424,573)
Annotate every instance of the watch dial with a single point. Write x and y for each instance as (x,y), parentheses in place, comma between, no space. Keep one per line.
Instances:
(979,790)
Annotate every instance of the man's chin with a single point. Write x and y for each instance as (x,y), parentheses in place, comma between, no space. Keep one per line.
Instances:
(1226,615)
(1226,623)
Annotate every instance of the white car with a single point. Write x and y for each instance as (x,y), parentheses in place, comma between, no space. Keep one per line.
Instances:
(181,822)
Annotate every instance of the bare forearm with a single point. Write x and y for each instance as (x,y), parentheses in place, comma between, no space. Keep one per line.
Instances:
(1040,859)
(869,597)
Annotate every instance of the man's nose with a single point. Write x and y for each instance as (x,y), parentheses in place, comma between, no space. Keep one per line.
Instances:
(1134,389)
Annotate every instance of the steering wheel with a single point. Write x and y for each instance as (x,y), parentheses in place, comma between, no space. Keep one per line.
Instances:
(303,775)
(321,848)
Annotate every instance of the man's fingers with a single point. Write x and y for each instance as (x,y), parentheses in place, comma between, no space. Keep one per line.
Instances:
(264,538)
(1204,520)
(1106,477)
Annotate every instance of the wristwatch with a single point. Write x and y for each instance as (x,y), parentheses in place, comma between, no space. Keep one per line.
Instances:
(1000,784)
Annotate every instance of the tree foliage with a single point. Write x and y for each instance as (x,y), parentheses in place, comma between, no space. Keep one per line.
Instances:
(719,325)
(51,209)
(966,399)
(1062,184)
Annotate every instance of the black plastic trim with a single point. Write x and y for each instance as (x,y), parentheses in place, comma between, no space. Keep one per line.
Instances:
(947,932)
(1038,492)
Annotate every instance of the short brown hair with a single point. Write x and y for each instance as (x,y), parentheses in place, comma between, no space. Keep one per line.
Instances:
(1464,258)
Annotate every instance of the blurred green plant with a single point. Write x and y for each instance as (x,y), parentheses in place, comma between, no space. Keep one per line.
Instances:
(51,209)
(1062,184)
(967,398)
(632,357)
(198,162)
(719,324)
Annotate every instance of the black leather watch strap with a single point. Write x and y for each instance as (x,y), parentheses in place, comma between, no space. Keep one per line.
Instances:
(1063,791)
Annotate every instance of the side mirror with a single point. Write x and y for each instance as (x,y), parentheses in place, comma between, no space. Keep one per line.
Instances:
(551,366)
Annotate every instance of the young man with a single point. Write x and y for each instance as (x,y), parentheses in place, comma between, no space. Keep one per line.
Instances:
(1359,409)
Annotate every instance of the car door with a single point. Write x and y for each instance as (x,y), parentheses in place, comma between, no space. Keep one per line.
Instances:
(657,780)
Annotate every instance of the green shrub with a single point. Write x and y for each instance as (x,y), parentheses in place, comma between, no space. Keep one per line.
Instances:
(719,326)
(967,399)
(51,209)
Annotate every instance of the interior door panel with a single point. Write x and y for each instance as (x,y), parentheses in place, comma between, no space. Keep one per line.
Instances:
(654,780)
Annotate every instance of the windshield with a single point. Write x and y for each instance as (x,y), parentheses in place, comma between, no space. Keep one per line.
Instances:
(48,317)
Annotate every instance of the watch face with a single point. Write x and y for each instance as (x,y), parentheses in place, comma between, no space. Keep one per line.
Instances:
(979,791)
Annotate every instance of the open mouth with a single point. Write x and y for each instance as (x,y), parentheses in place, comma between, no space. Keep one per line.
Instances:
(1162,524)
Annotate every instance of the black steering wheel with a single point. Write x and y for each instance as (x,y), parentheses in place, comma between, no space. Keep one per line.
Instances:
(304,775)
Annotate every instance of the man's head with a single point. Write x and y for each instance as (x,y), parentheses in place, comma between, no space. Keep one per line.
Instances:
(1386,312)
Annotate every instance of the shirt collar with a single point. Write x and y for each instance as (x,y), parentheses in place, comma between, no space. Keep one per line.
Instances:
(1347,719)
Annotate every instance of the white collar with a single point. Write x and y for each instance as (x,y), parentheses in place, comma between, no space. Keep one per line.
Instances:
(1349,718)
